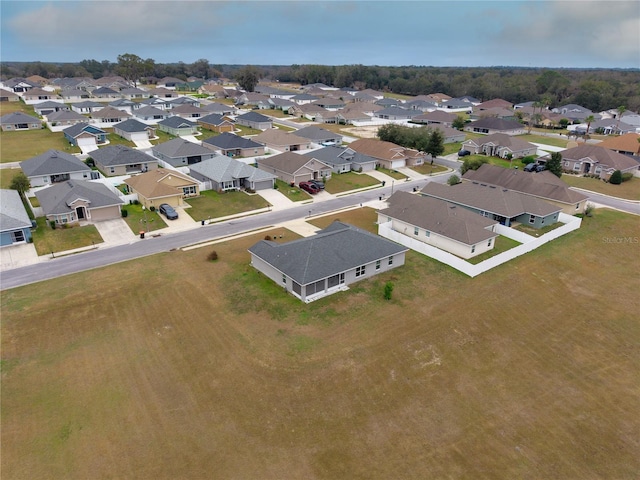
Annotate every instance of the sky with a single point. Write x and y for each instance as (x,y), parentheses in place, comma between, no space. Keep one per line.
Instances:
(532,33)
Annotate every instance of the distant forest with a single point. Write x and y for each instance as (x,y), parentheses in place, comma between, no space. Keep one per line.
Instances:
(596,89)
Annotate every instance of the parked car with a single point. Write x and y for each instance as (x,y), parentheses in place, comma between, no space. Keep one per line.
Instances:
(309,187)
(318,183)
(540,167)
(464,153)
(530,167)
(168,211)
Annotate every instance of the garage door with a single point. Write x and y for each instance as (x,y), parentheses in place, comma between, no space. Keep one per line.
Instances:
(86,142)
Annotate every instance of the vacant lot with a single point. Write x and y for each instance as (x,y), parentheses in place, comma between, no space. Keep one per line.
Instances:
(19,146)
(176,367)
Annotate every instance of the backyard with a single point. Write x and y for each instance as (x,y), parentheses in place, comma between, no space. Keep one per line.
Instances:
(172,366)
(629,189)
(211,204)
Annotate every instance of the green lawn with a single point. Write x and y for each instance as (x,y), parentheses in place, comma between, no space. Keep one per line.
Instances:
(47,240)
(536,232)
(553,141)
(629,190)
(246,130)
(272,112)
(6,176)
(343,182)
(428,169)
(143,220)
(502,245)
(450,148)
(19,146)
(117,139)
(19,106)
(292,193)
(211,204)
(392,173)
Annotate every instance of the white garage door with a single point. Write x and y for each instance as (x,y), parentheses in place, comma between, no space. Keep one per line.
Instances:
(86,142)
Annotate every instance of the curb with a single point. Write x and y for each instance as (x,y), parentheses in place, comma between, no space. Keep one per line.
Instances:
(634,202)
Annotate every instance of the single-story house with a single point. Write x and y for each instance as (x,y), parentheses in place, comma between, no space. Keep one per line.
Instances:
(396,113)
(124,105)
(330,103)
(85,135)
(497,112)
(495,125)
(494,103)
(87,106)
(437,117)
(74,95)
(54,166)
(500,145)
(233,145)
(188,111)
(544,185)
(349,117)
(17,121)
(115,160)
(627,144)
(575,113)
(110,115)
(224,174)
(327,262)
(150,114)
(502,205)
(177,126)
(389,155)
(105,92)
(179,152)
(319,135)
(294,168)
(281,104)
(161,92)
(163,186)
(159,103)
(282,141)
(78,201)
(423,106)
(216,123)
(440,224)
(168,83)
(134,130)
(253,99)
(220,108)
(450,135)
(37,94)
(177,102)
(254,120)
(8,96)
(15,224)
(344,159)
(45,108)
(132,92)
(596,160)
(65,117)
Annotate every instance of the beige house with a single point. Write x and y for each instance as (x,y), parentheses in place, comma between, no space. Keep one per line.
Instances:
(389,155)
(163,186)
(500,145)
(282,141)
(294,168)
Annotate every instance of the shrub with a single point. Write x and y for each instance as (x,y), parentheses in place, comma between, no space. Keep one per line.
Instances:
(388,290)
(52,224)
(453,180)
(275,186)
(616,178)
(125,213)
(213,256)
(627,176)
(588,209)
(137,202)
(152,208)
(528,159)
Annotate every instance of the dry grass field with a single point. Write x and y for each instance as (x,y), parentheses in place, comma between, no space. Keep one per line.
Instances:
(174,367)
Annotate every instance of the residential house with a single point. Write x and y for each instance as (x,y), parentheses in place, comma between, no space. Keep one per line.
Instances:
(449,135)
(105,93)
(389,102)
(281,104)
(163,186)
(151,115)
(310,111)
(216,123)
(132,92)
(423,106)
(74,95)
(294,168)
(254,120)
(189,111)
(252,99)
(319,135)
(327,262)
(212,90)
(497,112)
(495,125)
(65,117)
(326,116)
(303,98)
(627,144)
(177,102)
(8,96)
(86,107)
(544,185)
(179,152)
(362,107)
(178,126)
(79,201)
(123,104)
(575,113)
(436,117)
(606,126)
(223,174)
(161,92)
(220,108)
(389,155)
(587,159)
(134,130)
(158,103)
(17,121)
(110,114)
(500,204)
(500,145)
(351,117)
(330,103)
(396,113)
(440,224)
(85,135)
(232,145)
(455,105)
(18,85)
(169,83)
(54,166)
(15,224)
(279,140)
(116,160)
(494,103)
(48,107)
(37,80)
(36,95)
(343,159)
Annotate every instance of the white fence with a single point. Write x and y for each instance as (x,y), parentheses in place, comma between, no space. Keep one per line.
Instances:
(529,243)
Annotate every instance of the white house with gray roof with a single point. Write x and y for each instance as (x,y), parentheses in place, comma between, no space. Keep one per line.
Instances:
(122,160)
(179,152)
(178,126)
(17,121)
(226,174)
(327,262)
(15,224)
(55,166)
(254,120)
(134,130)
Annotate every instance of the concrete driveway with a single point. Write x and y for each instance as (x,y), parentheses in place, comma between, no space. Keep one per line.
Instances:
(143,144)
(14,256)
(183,222)
(115,232)
(275,198)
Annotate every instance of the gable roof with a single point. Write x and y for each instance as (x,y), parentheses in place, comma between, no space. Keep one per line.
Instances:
(601,155)
(179,147)
(276,136)
(398,112)
(439,217)
(151,185)
(177,122)
(494,123)
(253,117)
(18,117)
(110,112)
(52,162)
(494,103)
(12,212)
(337,155)
(542,184)
(316,134)
(229,140)
(113,155)
(338,248)
(437,116)
(80,128)
(290,162)
(225,169)
(132,125)
(59,198)
(65,115)
(214,119)
(625,143)
(150,111)
(502,139)
(382,150)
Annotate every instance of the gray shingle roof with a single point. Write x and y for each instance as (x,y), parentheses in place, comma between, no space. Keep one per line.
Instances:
(57,198)
(179,147)
(213,119)
(18,117)
(225,169)
(290,162)
(12,212)
(336,249)
(64,115)
(132,125)
(177,122)
(496,124)
(52,162)
(228,140)
(120,155)
(254,117)
(78,128)
(316,134)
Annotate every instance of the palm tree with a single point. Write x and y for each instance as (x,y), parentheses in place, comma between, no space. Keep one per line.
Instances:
(589,119)
(621,110)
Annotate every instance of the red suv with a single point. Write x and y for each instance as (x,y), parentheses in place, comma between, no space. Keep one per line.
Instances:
(309,187)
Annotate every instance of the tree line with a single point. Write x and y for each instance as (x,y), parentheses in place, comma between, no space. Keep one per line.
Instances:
(596,89)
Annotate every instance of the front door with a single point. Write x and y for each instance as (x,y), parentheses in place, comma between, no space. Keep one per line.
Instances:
(80,213)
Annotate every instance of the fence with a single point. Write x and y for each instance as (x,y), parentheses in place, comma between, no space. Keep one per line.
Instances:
(529,243)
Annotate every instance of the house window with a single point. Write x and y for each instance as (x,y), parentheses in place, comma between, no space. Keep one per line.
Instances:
(427,233)
(489,242)
(532,218)
(390,260)
(284,278)
(566,164)
(378,265)
(577,206)
(598,169)
(112,170)
(360,271)
(190,190)
(415,230)
(576,166)
(473,249)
